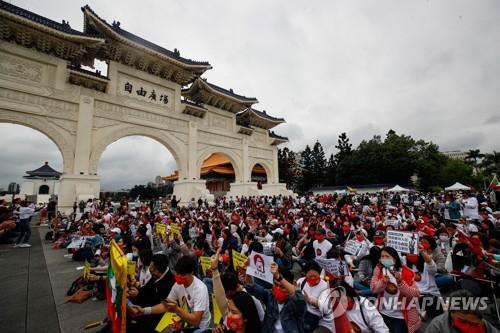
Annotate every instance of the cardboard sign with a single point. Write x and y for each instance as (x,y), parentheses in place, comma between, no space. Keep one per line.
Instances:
(238,260)
(402,241)
(176,229)
(161,229)
(86,270)
(268,248)
(260,267)
(76,243)
(393,223)
(329,265)
(131,269)
(205,264)
(217,313)
(352,247)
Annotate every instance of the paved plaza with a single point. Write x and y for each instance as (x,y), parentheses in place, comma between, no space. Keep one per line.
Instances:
(33,284)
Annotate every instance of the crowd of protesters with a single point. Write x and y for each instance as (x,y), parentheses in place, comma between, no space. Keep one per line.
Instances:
(380,289)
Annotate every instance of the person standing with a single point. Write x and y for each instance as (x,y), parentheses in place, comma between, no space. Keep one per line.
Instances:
(25,213)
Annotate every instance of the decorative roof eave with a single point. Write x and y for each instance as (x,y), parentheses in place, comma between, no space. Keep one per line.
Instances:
(277,139)
(258,119)
(202,91)
(29,33)
(107,30)
(87,80)
(194,109)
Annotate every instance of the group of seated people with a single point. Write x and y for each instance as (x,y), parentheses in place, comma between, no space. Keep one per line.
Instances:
(376,288)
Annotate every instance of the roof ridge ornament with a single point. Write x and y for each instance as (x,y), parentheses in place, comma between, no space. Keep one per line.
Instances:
(116,24)
(177,53)
(66,25)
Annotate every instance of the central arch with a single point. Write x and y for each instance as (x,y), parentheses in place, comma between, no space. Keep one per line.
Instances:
(171,143)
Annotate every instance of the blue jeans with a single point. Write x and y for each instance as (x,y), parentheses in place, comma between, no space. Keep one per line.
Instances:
(363,289)
(25,229)
(444,281)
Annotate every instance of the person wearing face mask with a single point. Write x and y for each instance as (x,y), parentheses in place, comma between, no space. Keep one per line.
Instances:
(397,293)
(461,318)
(425,271)
(365,245)
(150,294)
(321,245)
(285,305)
(365,271)
(189,290)
(379,239)
(312,286)
(242,312)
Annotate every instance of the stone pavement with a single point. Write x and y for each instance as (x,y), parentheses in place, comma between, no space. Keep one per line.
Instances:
(33,285)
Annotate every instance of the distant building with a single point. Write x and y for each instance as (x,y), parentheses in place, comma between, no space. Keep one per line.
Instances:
(456,155)
(42,183)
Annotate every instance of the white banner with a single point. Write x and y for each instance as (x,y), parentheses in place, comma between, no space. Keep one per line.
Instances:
(260,266)
(352,247)
(268,248)
(332,266)
(403,241)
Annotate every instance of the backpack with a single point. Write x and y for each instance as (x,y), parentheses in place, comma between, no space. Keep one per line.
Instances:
(77,284)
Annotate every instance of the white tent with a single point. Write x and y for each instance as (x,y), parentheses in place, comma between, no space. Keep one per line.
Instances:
(398,188)
(457,187)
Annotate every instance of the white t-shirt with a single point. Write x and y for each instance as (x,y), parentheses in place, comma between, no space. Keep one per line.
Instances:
(371,315)
(321,249)
(427,285)
(391,306)
(315,292)
(196,298)
(277,325)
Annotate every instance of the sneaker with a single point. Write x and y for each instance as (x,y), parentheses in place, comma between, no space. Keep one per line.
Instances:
(25,245)
(16,245)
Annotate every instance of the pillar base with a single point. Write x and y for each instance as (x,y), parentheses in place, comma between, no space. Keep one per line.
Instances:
(243,190)
(75,188)
(185,190)
(277,189)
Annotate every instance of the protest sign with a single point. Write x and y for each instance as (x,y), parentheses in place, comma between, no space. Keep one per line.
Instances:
(176,229)
(260,267)
(352,247)
(329,265)
(86,270)
(161,229)
(76,243)
(393,223)
(205,264)
(403,241)
(217,313)
(268,248)
(238,260)
(171,319)
(131,269)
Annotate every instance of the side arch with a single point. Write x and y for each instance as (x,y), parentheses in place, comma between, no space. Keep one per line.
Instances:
(42,125)
(267,167)
(233,157)
(173,145)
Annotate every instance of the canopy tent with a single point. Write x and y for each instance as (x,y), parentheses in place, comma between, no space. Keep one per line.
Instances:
(457,187)
(398,188)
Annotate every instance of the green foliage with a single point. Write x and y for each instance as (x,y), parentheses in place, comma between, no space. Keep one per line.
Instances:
(149,192)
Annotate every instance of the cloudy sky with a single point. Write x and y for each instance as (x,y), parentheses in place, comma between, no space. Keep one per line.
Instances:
(429,69)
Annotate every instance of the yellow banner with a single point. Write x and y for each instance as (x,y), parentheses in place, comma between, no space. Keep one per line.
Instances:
(86,270)
(176,229)
(161,229)
(131,269)
(168,319)
(205,263)
(217,314)
(238,259)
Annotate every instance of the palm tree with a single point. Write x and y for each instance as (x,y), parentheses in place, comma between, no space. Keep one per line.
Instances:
(473,155)
(491,163)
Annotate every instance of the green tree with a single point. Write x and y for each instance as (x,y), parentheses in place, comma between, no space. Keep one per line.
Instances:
(491,163)
(319,164)
(331,170)
(306,179)
(344,148)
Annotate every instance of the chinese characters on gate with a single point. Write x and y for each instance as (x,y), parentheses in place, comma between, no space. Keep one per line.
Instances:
(145,91)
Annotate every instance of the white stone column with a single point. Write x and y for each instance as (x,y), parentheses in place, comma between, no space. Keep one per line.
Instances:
(84,136)
(275,177)
(246,174)
(192,172)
